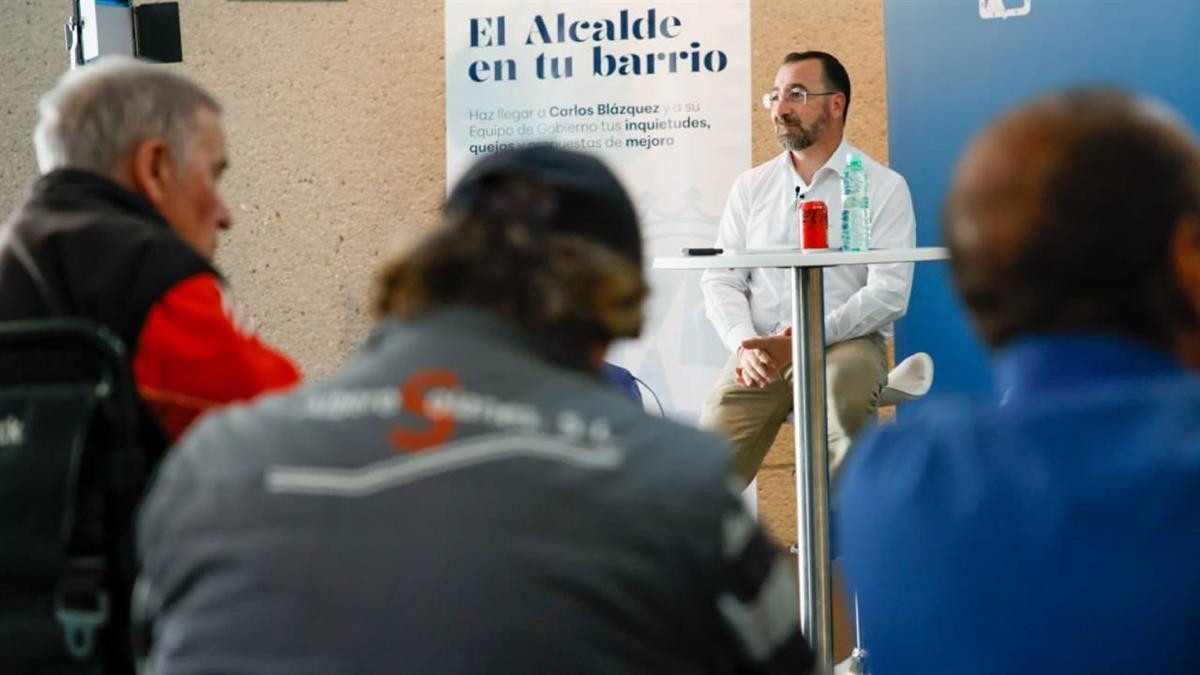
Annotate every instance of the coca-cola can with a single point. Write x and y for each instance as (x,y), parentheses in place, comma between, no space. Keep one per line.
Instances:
(814,225)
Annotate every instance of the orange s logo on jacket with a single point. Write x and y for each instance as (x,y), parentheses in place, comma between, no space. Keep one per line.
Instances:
(441,425)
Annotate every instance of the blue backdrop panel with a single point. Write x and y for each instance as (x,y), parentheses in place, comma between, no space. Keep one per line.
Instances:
(951,71)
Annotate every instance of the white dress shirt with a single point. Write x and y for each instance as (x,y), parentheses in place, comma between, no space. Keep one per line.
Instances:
(761,213)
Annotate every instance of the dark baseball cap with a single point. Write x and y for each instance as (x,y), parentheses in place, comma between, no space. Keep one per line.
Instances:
(572,193)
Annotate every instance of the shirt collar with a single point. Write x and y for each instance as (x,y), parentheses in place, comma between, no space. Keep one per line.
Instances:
(836,163)
(1039,363)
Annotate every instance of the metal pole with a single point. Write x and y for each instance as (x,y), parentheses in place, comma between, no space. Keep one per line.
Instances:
(812,462)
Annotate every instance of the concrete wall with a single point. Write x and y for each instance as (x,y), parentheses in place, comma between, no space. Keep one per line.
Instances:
(335,117)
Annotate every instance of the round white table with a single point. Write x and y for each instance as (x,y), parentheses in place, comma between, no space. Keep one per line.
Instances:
(808,392)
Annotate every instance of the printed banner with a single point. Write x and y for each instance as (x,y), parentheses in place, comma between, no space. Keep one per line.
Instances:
(661,92)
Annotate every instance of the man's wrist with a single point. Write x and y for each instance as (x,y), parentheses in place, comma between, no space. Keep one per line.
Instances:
(737,334)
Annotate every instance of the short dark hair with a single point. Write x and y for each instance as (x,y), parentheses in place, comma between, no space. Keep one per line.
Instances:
(544,237)
(1077,234)
(835,75)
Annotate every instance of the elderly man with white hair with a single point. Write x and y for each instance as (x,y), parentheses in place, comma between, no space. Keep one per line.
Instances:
(120,230)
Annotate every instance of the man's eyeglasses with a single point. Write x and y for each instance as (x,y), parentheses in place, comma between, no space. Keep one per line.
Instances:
(796,95)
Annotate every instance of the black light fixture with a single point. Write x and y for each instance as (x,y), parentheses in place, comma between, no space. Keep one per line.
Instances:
(102,27)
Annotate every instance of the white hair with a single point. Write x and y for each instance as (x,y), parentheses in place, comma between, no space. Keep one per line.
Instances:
(96,115)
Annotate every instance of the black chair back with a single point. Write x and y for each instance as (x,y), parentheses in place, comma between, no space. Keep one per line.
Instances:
(72,470)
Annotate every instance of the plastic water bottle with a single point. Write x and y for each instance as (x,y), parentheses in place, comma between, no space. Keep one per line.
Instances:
(856,206)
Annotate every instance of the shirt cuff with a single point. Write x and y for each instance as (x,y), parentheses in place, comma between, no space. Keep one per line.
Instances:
(735,335)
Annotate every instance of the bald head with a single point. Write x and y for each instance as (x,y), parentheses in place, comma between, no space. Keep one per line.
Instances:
(1079,212)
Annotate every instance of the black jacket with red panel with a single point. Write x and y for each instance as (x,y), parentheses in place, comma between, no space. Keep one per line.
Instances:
(83,246)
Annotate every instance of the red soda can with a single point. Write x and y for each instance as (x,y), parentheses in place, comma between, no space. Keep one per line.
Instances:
(814,225)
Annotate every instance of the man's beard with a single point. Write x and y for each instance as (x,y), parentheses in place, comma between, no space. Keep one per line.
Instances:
(796,136)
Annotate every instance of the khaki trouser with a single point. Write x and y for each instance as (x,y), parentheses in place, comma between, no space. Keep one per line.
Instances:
(855,373)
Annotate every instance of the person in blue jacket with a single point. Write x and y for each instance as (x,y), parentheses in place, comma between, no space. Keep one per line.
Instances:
(1055,526)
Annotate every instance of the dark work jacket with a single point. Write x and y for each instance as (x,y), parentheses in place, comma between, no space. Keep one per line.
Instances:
(454,502)
(102,253)
(81,246)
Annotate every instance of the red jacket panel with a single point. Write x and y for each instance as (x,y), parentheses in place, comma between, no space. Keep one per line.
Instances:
(195,352)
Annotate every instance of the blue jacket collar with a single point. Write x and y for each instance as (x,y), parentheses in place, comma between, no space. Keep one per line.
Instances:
(1039,363)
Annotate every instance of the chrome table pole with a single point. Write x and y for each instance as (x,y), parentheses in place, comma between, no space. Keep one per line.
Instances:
(812,462)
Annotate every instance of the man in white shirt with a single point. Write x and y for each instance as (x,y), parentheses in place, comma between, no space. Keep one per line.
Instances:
(751,310)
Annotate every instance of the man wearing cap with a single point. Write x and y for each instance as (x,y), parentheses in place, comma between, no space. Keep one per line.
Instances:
(751,309)
(469,495)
